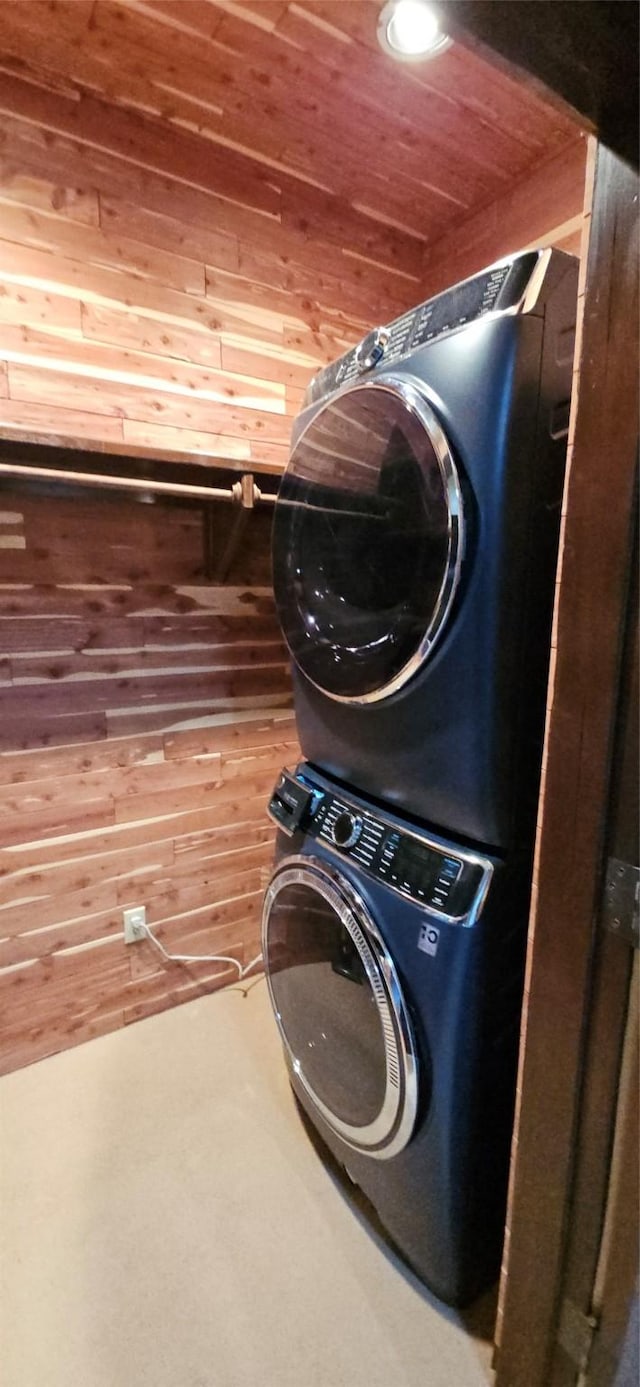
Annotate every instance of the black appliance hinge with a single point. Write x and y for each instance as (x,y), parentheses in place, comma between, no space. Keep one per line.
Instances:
(620,910)
(576,1332)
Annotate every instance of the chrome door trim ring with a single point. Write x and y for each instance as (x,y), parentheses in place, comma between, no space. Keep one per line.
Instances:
(411,392)
(391,1130)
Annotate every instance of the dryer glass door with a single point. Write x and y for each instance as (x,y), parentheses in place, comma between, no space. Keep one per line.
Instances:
(339,1006)
(367,540)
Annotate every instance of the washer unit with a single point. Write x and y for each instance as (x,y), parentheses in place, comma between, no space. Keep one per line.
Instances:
(414,549)
(394,962)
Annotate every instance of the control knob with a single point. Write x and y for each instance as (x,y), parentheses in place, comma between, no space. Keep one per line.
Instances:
(346,829)
(371,349)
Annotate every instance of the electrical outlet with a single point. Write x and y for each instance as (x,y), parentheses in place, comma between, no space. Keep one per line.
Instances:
(134,921)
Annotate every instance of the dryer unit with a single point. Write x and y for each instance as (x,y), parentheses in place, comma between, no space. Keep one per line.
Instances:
(414,550)
(394,962)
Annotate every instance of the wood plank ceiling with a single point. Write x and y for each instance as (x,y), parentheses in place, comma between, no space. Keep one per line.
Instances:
(200,201)
(300,97)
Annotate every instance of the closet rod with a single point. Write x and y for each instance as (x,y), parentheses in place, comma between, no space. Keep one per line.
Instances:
(139,484)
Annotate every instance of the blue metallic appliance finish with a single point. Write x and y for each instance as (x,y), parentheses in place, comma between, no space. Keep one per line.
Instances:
(394,960)
(415,545)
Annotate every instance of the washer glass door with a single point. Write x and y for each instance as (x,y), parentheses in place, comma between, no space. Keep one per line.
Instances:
(367,540)
(339,1006)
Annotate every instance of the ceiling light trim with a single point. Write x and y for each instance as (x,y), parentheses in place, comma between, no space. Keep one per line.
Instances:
(399,26)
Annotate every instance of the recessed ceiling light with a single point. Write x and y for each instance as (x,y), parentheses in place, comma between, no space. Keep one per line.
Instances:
(409,29)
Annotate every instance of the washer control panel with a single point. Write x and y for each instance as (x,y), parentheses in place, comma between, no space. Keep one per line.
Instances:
(408,861)
(499,289)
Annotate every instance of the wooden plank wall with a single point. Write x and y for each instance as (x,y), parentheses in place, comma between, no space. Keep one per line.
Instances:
(144,715)
(157,289)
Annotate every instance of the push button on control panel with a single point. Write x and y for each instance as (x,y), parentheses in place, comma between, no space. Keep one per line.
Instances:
(447,877)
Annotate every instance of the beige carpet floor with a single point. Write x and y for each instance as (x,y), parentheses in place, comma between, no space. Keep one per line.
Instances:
(165,1221)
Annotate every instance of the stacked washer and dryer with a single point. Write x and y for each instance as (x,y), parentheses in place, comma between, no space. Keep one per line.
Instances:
(414,552)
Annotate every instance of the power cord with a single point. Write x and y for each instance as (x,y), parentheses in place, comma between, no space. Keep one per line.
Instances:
(201,958)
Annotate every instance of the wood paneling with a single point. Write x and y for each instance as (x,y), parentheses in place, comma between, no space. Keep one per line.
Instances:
(144,717)
(200,204)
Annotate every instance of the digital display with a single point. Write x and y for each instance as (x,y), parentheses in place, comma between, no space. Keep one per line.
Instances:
(416,865)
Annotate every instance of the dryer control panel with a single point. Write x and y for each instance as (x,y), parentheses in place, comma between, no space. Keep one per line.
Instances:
(502,288)
(451,881)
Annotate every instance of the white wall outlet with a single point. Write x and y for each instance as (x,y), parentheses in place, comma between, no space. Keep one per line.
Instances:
(134,921)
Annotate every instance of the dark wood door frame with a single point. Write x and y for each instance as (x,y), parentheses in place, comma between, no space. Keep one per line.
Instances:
(590,607)
(583,54)
(607,1101)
